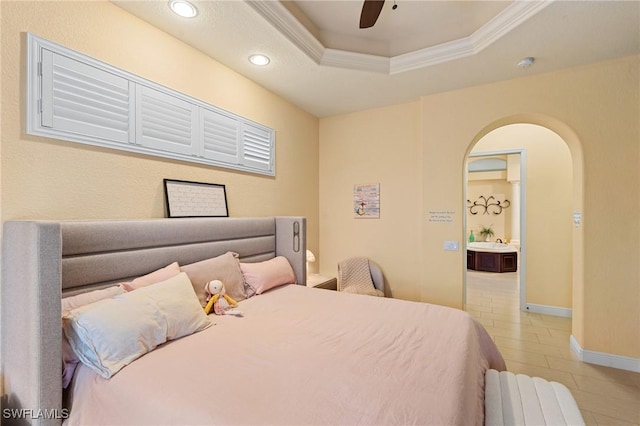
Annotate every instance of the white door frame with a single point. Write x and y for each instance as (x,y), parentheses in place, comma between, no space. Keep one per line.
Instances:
(523,218)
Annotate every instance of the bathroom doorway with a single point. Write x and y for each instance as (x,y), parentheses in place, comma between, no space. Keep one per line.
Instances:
(545,239)
(495,188)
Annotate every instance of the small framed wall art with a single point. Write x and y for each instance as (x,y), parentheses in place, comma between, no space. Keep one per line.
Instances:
(366,201)
(195,199)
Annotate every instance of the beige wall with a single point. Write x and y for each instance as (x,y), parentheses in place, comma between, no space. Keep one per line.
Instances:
(500,189)
(46,178)
(49,179)
(548,208)
(415,151)
(594,109)
(379,146)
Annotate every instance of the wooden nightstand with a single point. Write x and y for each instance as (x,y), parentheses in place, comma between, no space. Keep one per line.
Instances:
(319,281)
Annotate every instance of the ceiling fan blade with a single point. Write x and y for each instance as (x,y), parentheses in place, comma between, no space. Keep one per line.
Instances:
(370,11)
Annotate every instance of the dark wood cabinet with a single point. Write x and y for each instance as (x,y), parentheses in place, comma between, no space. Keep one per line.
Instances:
(492,262)
(471,259)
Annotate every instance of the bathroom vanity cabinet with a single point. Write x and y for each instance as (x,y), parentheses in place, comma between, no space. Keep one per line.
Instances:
(492,262)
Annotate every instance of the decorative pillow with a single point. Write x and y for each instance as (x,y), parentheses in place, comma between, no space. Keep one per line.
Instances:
(262,276)
(154,277)
(225,268)
(69,358)
(73,302)
(109,334)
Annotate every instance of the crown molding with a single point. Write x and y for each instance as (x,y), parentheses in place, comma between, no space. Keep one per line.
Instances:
(355,61)
(511,17)
(281,19)
(429,56)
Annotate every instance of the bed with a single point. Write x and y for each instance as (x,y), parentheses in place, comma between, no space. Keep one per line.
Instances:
(298,355)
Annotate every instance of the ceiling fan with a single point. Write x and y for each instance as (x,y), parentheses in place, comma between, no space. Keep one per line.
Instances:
(370,11)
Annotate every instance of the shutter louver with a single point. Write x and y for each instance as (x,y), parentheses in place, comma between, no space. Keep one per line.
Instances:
(257,147)
(165,122)
(220,137)
(84,100)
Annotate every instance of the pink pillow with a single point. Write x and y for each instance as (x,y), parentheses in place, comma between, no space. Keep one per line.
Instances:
(73,302)
(266,275)
(69,358)
(154,277)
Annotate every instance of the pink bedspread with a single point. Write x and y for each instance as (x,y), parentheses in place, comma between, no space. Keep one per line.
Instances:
(304,356)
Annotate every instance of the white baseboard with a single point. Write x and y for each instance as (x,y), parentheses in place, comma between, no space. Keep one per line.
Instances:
(548,310)
(601,358)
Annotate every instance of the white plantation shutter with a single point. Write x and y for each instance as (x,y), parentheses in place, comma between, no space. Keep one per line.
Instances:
(166,122)
(82,99)
(220,137)
(73,97)
(257,147)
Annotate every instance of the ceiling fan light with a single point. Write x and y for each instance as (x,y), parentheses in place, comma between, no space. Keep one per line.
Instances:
(259,60)
(183,8)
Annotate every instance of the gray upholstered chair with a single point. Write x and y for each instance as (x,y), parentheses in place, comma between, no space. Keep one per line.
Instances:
(360,275)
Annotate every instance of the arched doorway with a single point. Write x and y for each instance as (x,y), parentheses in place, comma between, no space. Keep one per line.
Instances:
(550,194)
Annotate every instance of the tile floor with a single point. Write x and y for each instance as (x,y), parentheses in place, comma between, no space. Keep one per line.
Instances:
(538,345)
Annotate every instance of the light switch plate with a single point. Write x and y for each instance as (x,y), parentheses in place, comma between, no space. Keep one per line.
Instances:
(577,218)
(451,245)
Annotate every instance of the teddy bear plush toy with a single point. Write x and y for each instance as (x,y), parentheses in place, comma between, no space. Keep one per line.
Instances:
(219,301)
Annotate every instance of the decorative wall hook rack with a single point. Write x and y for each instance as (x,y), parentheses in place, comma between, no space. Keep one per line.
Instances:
(487,205)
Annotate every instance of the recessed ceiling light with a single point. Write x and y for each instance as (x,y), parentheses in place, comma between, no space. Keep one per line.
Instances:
(183,8)
(526,62)
(260,60)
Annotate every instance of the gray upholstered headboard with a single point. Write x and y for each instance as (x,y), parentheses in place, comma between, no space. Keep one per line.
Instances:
(42,260)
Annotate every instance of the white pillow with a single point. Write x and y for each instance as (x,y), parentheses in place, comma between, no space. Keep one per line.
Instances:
(111,333)
(69,358)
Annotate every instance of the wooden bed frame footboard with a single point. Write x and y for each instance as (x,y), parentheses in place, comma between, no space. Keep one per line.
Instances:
(42,261)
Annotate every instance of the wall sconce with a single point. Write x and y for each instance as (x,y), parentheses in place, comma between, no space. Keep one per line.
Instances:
(310,259)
